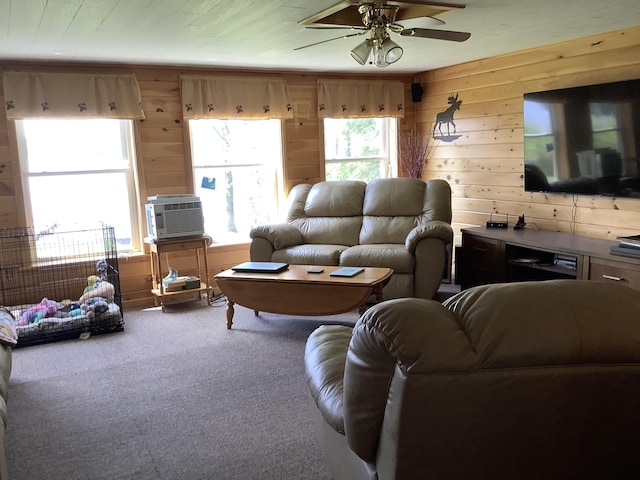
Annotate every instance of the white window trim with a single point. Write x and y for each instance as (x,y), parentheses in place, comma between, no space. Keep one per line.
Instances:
(278,194)
(390,161)
(131,174)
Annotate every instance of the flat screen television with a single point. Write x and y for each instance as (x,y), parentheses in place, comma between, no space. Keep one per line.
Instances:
(583,140)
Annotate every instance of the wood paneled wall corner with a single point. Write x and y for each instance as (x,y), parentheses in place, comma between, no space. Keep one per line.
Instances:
(485,165)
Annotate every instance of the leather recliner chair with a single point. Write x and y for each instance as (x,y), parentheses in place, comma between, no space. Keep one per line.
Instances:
(531,380)
(5,372)
(399,223)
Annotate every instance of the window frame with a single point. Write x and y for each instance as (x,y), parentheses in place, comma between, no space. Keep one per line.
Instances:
(390,138)
(278,185)
(128,132)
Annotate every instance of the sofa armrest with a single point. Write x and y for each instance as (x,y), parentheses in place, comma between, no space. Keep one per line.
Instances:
(395,338)
(5,373)
(324,358)
(280,235)
(433,229)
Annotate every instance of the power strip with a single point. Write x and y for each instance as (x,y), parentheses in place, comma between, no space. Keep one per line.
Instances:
(491,224)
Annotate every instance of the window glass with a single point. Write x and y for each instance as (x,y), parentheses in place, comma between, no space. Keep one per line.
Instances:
(604,124)
(81,172)
(360,148)
(236,166)
(539,145)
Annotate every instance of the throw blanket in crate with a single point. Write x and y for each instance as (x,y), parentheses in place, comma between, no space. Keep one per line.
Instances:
(59,326)
(61,283)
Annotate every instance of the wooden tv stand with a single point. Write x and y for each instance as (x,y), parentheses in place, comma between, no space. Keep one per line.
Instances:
(494,255)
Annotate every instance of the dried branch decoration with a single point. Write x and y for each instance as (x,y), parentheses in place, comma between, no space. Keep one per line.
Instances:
(414,151)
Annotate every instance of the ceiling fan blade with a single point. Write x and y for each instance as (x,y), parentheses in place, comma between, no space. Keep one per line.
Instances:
(421,22)
(331,39)
(345,27)
(437,34)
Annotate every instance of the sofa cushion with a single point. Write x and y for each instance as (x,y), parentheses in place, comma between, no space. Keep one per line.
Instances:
(392,208)
(332,213)
(386,229)
(335,199)
(394,197)
(393,256)
(512,325)
(309,254)
(327,230)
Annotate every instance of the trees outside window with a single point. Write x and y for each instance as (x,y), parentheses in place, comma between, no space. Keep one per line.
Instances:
(360,148)
(236,169)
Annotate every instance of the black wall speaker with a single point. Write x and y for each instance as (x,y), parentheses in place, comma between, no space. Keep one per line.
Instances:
(416,92)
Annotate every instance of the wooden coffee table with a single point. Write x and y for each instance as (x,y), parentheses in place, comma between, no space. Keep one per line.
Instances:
(296,292)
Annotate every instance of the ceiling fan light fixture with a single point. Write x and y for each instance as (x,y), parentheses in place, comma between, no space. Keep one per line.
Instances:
(362,51)
(391,50)
(378,57)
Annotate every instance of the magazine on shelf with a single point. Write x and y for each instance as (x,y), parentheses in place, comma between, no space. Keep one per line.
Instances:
(634,246)
(625,251)
(632,241)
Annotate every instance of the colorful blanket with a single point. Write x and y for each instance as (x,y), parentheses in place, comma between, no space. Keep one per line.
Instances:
(8,333)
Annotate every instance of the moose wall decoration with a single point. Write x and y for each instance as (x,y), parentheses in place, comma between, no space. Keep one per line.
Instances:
(446,117)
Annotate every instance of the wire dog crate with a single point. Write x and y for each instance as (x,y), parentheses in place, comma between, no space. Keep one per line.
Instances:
(60,283)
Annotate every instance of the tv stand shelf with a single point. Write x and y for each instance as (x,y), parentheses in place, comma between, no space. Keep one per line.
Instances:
(545,267)
(507,255)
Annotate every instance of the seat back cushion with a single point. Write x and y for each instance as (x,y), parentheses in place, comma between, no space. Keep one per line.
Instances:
(332,213)
(437,201)
(555,322)
(392,208)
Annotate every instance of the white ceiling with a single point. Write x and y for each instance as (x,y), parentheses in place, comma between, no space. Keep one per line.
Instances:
(263,33)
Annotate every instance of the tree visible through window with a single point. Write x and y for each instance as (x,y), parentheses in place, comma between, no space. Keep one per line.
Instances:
(360,148)
(236,165)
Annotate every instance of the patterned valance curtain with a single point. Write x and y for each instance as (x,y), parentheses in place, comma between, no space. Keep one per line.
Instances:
(235,98)
(355,98)
(71,95)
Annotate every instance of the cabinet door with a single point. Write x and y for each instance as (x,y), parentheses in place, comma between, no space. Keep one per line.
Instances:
(482,262)
(604,270)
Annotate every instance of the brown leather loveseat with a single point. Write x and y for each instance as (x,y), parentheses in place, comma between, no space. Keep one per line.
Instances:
(532,380)
(399,223)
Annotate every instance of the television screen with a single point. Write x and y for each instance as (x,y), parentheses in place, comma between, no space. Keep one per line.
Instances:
(583,140)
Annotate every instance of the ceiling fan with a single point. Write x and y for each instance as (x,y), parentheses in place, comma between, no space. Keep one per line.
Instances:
(378,19)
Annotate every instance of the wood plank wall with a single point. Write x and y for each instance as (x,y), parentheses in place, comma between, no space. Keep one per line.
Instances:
(164,158)
(485,165)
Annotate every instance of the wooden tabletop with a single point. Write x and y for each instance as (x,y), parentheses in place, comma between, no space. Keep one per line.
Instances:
(299,274)
(298,292)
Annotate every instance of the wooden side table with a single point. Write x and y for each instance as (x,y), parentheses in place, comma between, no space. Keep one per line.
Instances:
(159,247)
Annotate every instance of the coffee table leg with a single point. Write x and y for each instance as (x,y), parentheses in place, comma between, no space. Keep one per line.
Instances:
(378,292)
(229,314)
(256,312)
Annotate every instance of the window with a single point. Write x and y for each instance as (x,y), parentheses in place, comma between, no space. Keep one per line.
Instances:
(80,172)
(360,148)
(539,138)
(608,135)
(236,167)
